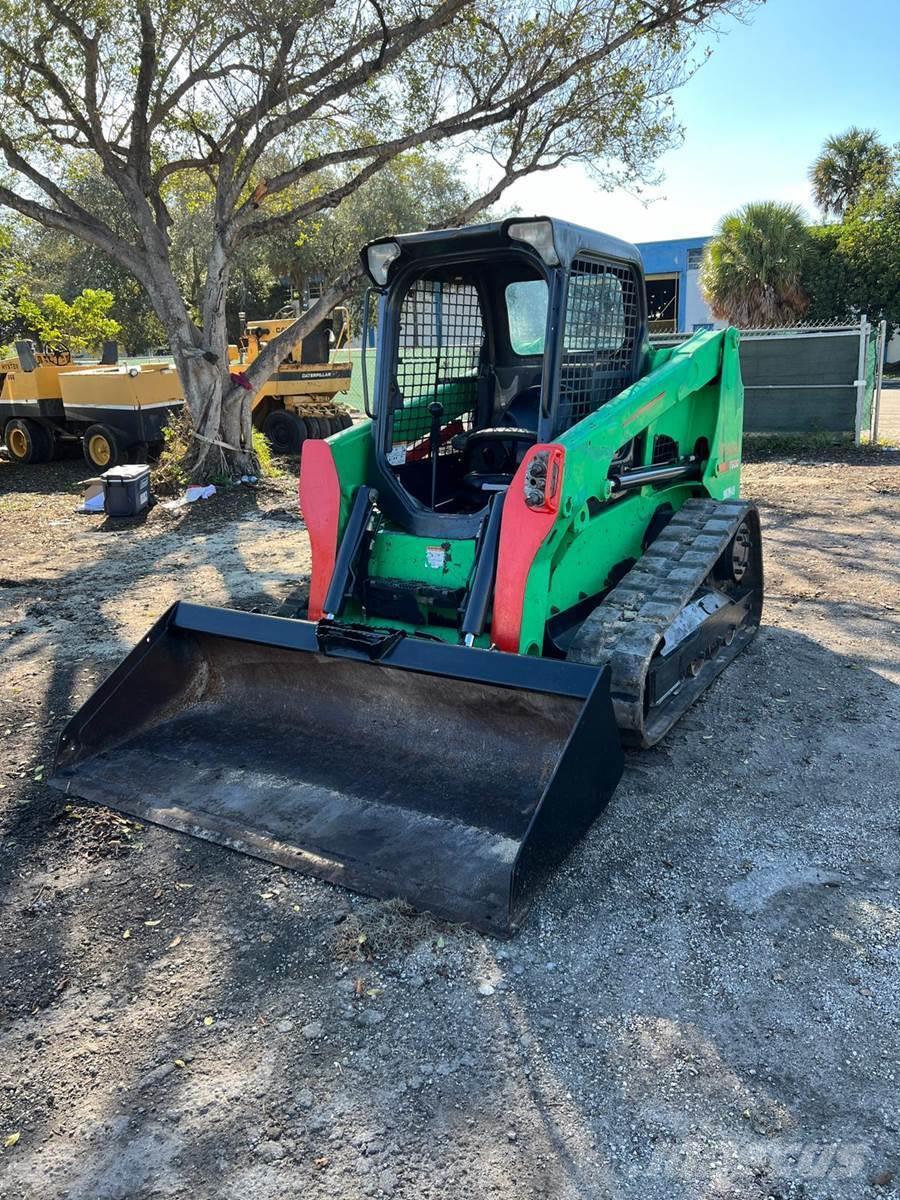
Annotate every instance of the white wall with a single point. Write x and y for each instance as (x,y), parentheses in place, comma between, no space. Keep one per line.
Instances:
(696,310)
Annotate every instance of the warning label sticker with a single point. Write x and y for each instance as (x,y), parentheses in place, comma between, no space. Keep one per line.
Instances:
(435,557)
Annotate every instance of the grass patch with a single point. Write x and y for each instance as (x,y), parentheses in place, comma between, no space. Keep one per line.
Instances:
(268,468)
(773,445)
(170,475)
(383,930)
(173,472)
(817,444)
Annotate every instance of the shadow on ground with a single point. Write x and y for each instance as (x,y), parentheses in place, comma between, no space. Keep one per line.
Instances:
(703,1002)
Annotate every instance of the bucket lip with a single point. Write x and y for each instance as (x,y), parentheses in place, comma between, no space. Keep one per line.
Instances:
(597,701)
(497,668)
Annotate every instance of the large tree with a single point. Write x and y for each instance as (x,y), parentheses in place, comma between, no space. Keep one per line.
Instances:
(850,166)
(287,110)
(10,270)
(753,267)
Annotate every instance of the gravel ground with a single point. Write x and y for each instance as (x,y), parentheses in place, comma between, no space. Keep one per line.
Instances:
(704,1003)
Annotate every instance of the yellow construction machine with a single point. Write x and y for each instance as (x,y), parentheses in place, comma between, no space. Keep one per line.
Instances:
(116,411)
(298,401)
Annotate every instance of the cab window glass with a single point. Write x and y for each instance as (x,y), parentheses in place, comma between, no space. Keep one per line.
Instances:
(526,310)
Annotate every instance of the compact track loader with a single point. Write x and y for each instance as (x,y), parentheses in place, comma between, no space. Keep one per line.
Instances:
(532,552)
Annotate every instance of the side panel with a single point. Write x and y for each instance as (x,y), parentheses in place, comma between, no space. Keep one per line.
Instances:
(330,473)
(722,477)
(399,555)
(113,387)
(40,384)
(524,530)
(692,397)
(320,506)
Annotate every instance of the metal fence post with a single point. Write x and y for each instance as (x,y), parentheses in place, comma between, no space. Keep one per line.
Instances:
(860,380)
(880,347)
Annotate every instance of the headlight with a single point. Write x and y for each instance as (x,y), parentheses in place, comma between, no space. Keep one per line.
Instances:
(539,235)
(542,477)
(380,256)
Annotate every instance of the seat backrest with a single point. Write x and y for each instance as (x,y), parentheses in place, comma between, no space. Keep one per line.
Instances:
(27,360)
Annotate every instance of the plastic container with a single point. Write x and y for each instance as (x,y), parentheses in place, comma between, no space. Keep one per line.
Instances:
(126,490)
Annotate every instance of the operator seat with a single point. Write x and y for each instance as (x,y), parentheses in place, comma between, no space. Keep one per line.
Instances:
(523,411)
(491,458)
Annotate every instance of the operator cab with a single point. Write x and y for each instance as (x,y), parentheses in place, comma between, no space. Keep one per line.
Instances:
(468,377)
(466,389)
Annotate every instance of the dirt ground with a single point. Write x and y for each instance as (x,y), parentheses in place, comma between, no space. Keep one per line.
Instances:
(704,1004)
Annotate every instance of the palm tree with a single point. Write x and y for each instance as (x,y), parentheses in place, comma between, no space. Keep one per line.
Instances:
(848,165)
(752,268)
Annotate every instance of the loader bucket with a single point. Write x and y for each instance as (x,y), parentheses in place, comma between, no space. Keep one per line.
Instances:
(396,766)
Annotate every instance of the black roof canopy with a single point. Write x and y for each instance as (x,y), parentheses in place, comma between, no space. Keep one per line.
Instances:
(568,241)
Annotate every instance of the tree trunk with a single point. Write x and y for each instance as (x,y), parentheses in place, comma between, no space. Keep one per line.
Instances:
(202,383)
(220,410)
(237,430)
(222,419)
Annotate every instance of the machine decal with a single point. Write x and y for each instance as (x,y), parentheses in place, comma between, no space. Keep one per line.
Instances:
(645,410)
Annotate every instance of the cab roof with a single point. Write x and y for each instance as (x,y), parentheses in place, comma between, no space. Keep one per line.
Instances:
(568,240)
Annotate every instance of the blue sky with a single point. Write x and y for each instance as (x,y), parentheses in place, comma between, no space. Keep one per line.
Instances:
(754,117)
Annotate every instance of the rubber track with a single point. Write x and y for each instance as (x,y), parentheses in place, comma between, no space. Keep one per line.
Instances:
(627,628)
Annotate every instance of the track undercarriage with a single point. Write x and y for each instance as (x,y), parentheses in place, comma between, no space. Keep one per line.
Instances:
(683,612)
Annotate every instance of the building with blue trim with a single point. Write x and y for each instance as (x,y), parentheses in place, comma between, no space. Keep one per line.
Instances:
(674,300)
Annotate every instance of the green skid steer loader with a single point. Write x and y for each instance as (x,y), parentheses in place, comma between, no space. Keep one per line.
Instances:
(533,552)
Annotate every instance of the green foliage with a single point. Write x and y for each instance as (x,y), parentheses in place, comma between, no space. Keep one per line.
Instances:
(850,168)
(173,472)
(65,265)
(752,269)
(170,475)
(83,324)
(825,277)
(266,466)
(417,190)
(13,273)
(855,266)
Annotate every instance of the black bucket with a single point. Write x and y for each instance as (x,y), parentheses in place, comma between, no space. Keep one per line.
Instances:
(454,778)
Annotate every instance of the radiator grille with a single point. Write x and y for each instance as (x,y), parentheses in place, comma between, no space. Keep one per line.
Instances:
(665,450)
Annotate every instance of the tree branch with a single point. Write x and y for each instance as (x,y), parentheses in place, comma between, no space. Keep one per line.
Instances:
(86,228)
(278,349)
(401,38)
(139,151)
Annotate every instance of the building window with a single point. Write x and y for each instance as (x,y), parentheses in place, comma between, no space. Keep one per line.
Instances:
(694,258)
(662,303)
